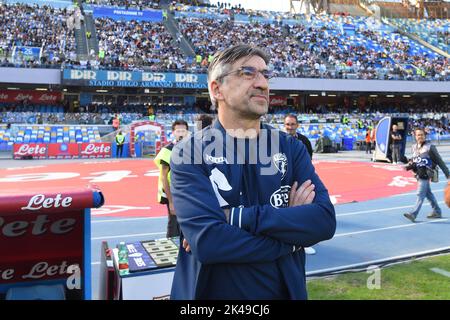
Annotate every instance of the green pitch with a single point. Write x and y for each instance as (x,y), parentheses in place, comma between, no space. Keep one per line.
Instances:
(409,280)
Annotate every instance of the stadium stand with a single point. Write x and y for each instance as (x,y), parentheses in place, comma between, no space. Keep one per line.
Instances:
(32,35)
(317,46)
(131,44)
(435,32)
(55,134)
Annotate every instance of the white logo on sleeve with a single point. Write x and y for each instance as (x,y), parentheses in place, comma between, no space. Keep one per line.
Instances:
(219,182)
(280,198)
(281,163)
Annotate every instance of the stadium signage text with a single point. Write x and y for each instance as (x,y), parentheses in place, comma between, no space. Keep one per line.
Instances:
(39,226)
(38,271)
(11,96)
(61,150)
(96,149)
(42,235)
(39,201)
(278,101)
(104,78)
(123,14)
(31,149)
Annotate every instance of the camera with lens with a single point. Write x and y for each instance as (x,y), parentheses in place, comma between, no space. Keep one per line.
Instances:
(422,172)
(411,166)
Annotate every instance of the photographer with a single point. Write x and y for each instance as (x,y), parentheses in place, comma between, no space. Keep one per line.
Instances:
(423,163)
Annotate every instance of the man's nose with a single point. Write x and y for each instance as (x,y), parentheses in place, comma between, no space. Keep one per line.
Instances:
(261,82)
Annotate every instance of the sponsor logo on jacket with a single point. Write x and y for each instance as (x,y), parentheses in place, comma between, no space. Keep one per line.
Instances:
(280,198)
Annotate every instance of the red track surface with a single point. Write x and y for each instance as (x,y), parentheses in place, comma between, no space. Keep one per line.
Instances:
(130,186)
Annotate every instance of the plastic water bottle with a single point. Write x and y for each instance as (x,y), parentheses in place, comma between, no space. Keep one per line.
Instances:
(123,258)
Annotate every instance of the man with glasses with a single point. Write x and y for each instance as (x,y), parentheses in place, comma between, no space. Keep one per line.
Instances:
(247,197)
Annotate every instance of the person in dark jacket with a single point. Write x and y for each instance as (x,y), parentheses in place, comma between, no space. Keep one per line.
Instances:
(247,196)
(291,126)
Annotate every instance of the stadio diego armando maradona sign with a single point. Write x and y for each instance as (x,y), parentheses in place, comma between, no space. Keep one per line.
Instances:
(106,78)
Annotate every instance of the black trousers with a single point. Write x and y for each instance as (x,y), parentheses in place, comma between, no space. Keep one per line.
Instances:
(368,147)
(119,150)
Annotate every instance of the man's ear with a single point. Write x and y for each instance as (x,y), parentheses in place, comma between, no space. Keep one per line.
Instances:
(214,88)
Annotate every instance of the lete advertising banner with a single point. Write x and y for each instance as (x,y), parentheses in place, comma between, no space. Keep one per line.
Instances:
(63,150)
(40,97)
(278,101)
(45,235)
(30,151)
(95,150)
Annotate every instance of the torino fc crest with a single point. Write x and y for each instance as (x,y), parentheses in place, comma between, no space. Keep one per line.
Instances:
(281,163)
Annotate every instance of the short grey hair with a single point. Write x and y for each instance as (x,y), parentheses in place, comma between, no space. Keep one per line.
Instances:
(223,60)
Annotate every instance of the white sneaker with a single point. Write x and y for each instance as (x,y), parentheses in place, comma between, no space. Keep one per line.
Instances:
(310,250)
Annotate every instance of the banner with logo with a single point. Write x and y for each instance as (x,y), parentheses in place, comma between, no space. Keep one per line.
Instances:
(62,150)
(30,151)
(26,53)
(39,97)
(104,78)
(278,101)
(95,150)
(123,14)
(45,236)
(382,135)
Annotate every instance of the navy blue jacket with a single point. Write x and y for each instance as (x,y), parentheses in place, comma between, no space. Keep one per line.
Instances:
(259,253)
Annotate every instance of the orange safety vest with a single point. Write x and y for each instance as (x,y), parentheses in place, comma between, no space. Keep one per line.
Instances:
(368,136)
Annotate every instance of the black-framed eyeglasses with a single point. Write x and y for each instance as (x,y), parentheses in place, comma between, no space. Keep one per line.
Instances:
(248,73)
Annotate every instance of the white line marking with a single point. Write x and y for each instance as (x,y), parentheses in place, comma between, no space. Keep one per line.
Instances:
(370,262)
(131,219)
(413,193)
(337,215)
(388,228)
(442,272)
(128,235)
(379,210)
(335,236)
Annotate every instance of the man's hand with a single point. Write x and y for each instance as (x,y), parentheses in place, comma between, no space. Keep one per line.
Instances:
(186,246)
(303,195)
(227,214)
(172,208)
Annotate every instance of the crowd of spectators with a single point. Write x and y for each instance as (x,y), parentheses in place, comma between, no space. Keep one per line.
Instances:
(135,44)
(434,31)
(288,57)
(368,53)
(316,47)
(35,26)
(66,118)
(320,48)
